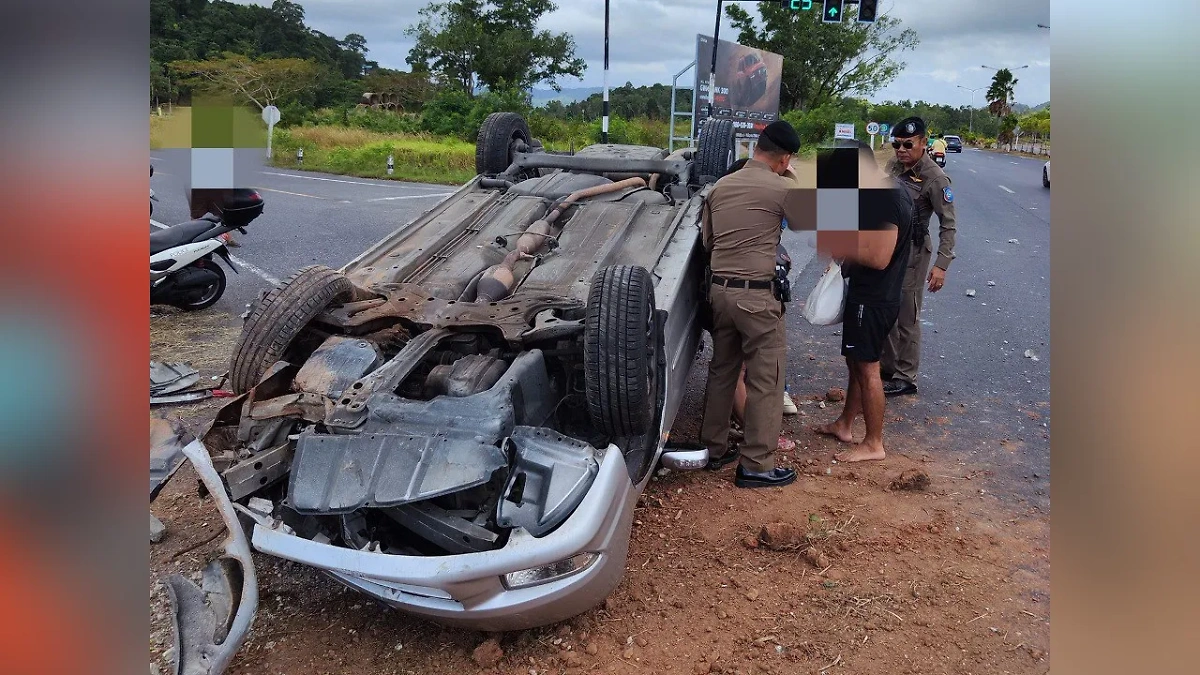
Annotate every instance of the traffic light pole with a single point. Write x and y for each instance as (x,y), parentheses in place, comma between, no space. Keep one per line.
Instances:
(712,66)
(604,120)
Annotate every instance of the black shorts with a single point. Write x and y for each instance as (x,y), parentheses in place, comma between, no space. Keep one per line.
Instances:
(865,329)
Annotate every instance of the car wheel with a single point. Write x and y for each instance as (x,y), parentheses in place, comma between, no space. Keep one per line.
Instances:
(715,150)
(497,141)
(280,317)
(1045,179)
(621,344)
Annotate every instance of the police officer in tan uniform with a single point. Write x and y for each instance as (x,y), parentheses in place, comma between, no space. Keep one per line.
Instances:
(931,193)
(742,220)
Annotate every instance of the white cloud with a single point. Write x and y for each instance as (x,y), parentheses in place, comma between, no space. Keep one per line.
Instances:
(651,40)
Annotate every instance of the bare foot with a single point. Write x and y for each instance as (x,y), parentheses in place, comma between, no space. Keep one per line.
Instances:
(860,453)
(834,429)
(785,444)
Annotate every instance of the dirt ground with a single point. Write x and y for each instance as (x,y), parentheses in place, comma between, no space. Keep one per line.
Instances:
(870,578)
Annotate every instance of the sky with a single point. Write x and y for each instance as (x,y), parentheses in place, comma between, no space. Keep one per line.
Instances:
(652,40)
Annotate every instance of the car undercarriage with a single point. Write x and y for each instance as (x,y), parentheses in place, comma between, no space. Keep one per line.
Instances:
(489,386)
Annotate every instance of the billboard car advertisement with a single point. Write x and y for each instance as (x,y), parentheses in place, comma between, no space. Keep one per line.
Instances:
(747,85)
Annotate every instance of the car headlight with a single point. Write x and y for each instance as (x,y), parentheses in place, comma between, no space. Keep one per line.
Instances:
(552,572)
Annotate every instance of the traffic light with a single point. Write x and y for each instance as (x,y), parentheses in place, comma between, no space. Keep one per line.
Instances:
(796,5)
(867,10)
(832,11)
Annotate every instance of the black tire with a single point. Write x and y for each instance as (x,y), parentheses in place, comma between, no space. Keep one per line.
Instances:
(494,144)
(280,317)
(214,292)
(715,151)
(620,356)
(1045,178)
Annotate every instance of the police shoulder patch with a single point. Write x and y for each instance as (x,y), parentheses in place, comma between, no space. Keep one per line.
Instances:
(948,195)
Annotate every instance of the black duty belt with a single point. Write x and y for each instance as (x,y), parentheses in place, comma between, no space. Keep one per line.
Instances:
(740,283)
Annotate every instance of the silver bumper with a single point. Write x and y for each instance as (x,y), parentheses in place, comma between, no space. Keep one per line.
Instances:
(468,590)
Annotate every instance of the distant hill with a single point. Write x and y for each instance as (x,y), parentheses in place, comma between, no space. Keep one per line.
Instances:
(568,95)
(1021,108)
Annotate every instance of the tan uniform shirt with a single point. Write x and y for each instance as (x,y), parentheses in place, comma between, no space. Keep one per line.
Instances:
(931,193)
(742,217)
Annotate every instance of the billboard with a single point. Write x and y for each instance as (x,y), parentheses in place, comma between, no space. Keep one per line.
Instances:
(747,83)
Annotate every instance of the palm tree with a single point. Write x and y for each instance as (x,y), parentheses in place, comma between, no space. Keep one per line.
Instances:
(1000,94)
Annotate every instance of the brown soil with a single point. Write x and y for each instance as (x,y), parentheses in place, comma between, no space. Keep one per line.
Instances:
(949,579)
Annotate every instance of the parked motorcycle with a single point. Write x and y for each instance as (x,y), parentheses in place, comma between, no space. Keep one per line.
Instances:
(940,159)
(183,272)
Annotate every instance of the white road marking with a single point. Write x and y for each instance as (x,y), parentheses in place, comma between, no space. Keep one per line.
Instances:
(1011,192)
(352,182)
(972,170)
(392,199)
(264,275)
(297,194)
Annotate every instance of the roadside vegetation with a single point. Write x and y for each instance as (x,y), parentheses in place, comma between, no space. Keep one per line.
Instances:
(349,114)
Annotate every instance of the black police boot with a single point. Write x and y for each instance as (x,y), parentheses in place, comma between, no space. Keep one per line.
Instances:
(726,459)
(777,477)
(898,388)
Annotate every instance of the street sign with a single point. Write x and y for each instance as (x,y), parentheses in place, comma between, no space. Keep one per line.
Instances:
(843,131)
(872,128)
(884,128)
(270,115)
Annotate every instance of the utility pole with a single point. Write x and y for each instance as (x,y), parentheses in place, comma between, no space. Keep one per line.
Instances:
(604,120)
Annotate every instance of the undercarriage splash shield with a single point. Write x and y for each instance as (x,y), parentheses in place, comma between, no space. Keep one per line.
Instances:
(553,473)
(338,474)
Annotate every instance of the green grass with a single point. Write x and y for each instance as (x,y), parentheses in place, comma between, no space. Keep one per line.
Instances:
(358,152)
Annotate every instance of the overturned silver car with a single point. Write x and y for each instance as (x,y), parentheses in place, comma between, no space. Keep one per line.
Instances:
(460,421)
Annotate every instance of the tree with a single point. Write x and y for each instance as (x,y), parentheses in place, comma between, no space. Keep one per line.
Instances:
(468,43)
(262,82)
(824,62)
(1000,93)
(161,87)
(353,55)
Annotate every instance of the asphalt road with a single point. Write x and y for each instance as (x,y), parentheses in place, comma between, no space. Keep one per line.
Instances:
(309,218)
(982,401)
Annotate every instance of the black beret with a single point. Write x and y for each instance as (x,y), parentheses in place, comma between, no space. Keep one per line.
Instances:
(909,126)
(783,135)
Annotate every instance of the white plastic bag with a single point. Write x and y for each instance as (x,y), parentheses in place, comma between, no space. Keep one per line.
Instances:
(827,300)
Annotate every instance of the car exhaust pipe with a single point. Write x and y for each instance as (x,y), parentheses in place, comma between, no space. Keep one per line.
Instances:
(497,282)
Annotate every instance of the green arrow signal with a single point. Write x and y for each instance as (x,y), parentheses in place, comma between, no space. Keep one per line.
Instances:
(833,11)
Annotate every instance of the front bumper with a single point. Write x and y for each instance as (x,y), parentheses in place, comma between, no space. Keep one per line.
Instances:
(467,590)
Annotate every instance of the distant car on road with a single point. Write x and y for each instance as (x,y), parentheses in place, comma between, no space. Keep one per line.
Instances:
(953,144)
(1046,175)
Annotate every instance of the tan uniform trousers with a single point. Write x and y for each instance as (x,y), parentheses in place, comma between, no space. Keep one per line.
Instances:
(747,326)
(902,351)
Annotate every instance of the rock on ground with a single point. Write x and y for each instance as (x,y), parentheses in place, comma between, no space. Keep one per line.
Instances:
(781,536)
(911,479)
(488,654)
(157,530)
(836,394)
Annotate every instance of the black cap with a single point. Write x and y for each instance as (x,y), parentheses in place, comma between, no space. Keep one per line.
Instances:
(909,126)
(783,136)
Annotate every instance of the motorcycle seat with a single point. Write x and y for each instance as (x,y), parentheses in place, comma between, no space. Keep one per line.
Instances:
(183,233)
